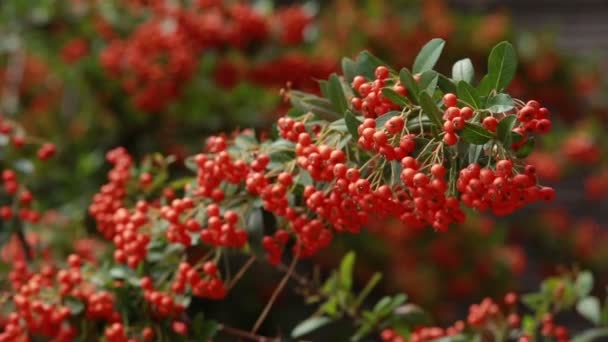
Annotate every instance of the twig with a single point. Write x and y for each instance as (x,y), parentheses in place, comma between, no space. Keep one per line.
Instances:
(276,293)
(245,334)
(241,272)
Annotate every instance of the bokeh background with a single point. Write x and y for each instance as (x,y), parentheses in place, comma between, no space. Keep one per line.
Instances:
(92,75)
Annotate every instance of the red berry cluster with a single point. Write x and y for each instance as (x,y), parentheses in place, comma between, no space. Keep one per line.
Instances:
(388,140)
(74,50)
(372,103)
(500,191)
(161,55)
(454,118)
(111,195)
(24,199)
(131,244)
(428,203)
(222,230)
(209,285)
(40,303)
(550,329)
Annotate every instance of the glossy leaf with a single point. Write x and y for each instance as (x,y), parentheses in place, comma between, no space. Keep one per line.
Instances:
(395,97)
(589,307)
(309,325)
(406,78)
(500,103)
(428,55)
(336,94)
(352,124)
(475,134)
(505,128)
(468,94)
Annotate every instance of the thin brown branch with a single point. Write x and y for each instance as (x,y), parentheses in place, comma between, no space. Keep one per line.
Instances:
(276,293)
(246,334)
(241,272)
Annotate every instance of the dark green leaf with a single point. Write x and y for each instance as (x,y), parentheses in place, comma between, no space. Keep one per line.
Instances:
(463,71)
(310,103)
(336,94)
(309,325)
(500,103)
(428,55)
(502,64)
(446,85)
(468,94)
(504,129)
(352,123)
(324,86)
(349,69)
(207,330)
(412,315)
(475,134)
(406,78)
(584,284)
(525,150)
(367,64)
(431,110)
(395,97)
(396,169)
(382,120)
(589,308)
(428,81)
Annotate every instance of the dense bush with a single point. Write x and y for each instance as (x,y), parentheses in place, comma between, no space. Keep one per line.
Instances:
(407,167)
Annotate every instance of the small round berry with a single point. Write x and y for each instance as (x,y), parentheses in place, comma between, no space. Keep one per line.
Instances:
(450,100)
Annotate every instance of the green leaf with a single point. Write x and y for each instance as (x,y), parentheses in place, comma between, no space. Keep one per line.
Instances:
(309,325)
(583,284)
(395,97)
(463,71)
(468,94)
(589,308)
(428,81)
(352,123)
(428,55)
(255,229)
(346,271)
(533,300)
(525,150)
(396,169)
(502,64)
(591,335)
(382,120)
(430,109)
(412,315)
(310,103)
(371,284)
(474,153)
(406,78)
(367,64)
(475,134)
(336,93)
(446,85)
(504,130)
(75,305)
(500,103)
(349,69)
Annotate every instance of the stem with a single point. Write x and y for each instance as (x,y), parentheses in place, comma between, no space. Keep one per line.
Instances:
(241,272)
(245,334)
(276,293)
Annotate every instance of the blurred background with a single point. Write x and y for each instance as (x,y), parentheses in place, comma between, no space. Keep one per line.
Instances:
(92,75)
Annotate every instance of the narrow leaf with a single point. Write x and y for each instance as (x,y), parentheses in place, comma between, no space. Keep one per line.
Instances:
(428,55)
(428,81)
(309,325)
(406,78)
(336,94)
(430,109)
(395,97)
(468,94)
(352,123)
(475,134)
(504,129)
(349,69)
(500,103)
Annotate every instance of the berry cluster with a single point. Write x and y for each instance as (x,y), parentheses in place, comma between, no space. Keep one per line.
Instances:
(372,102)
(500,191)
(161,55)
(388,140)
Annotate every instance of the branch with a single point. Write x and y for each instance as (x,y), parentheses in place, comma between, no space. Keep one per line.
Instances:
(245,334)
(276,293)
